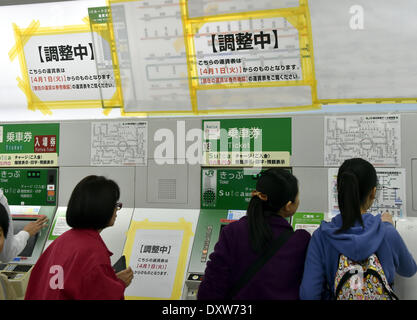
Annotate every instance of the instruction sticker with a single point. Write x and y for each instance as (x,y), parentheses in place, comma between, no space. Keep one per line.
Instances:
(157,254)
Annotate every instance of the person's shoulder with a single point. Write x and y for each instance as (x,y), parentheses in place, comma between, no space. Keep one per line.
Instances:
(390,233)
(234,229)
(238,224)
(78,240)
(302,235)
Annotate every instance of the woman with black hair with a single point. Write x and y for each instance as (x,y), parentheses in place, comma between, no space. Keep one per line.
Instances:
(242,243)
(355,234)
(76,266)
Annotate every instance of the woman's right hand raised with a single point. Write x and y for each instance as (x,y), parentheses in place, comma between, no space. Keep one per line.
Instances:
(126,276)
(387,217)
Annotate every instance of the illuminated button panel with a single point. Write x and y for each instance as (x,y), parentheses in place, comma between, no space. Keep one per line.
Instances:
(195,277)
(206,243)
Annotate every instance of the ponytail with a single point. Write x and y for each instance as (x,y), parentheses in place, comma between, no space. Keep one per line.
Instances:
(349,200)
(356,179)
(260,232)
(278,186)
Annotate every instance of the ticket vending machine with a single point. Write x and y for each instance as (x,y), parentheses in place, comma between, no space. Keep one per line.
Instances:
(225,194)
(210,223)
(31,193)
(113,237)
(405,288)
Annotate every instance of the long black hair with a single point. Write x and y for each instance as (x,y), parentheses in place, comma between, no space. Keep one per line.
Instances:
(280,186)
(355,180)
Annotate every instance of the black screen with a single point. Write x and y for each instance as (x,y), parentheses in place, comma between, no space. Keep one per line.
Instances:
(18,225)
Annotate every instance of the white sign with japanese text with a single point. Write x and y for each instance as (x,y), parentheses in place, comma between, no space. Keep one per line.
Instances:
(252,51)
(62,67)
(30,160)
(154,261)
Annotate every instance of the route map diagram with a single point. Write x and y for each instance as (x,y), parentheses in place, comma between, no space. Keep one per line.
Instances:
(376,138)
(390,194)
(119,143)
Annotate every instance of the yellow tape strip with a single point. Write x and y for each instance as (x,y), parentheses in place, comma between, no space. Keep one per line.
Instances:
(24,37)
(311,76)
(33,101)
(248,15)
(112,43)
(123,113)
(21,38)
(74,104)
(190,54)
(182,259)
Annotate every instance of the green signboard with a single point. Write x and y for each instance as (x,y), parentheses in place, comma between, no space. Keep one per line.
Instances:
(99,14)
(247,142)
(309,221)
(227,188)
(32,187)
(29,145)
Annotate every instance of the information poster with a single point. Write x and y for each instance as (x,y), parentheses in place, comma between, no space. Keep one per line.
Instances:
(375,138)
(29,145)
(59,225)
(29,187)
(247,142)
(309,221)
(119,143)
(58,66)
(251,52)
(157,253)
(390,195)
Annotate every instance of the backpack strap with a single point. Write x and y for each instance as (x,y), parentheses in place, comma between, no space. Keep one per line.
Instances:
(342,281)
(388,290)
(260,262)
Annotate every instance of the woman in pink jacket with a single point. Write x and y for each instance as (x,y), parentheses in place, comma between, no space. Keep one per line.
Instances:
(76,266)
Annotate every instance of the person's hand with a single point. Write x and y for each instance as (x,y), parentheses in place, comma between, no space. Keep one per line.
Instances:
(126,276)
(34,227)
(387,217)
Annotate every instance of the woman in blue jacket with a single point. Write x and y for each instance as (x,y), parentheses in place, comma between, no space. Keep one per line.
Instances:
(355,234)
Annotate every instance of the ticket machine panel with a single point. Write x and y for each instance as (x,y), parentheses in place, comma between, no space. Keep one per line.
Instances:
(31,193)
